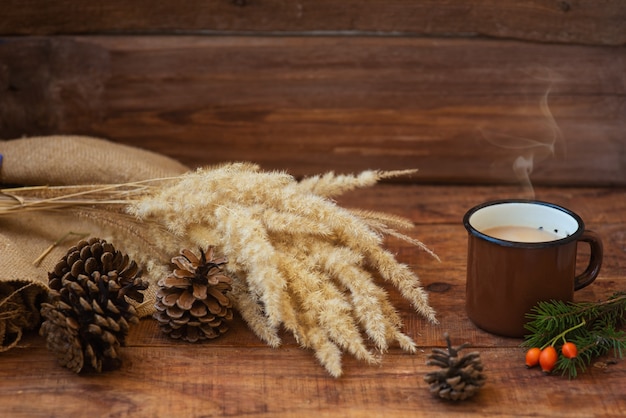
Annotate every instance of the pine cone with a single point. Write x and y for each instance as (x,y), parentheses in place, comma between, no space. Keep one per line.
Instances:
(191,302)
(87,316)
(460,377)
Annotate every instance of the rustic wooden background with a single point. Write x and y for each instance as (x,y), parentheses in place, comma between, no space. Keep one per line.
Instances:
(461,90)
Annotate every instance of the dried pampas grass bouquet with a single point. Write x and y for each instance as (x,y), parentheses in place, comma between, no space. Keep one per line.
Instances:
(294,258)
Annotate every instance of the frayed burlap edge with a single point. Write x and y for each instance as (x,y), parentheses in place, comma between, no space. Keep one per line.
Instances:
(19,309)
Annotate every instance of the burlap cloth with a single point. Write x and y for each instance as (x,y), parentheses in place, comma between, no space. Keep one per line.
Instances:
(55,160)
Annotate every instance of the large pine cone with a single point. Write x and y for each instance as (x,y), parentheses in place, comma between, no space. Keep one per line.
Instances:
(87,316)
(191,303)
(459,377)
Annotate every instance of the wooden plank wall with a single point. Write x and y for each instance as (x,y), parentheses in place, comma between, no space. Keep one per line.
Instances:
(472,91)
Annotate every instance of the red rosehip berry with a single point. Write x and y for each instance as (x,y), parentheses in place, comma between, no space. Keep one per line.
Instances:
(532,357)
(548,358)
(569,350)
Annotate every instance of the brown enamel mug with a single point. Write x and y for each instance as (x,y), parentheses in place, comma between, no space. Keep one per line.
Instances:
(521,252)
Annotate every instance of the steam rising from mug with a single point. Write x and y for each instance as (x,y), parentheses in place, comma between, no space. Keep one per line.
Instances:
(527,152)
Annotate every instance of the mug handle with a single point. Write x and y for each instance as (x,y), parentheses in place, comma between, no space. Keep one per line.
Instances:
(595,260)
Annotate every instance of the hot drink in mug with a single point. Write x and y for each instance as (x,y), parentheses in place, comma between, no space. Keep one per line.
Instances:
(521,252)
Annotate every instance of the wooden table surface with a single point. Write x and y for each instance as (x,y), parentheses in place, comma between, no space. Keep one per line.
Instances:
(237,375)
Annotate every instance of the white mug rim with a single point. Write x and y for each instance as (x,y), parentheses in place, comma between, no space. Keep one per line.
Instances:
(573,236)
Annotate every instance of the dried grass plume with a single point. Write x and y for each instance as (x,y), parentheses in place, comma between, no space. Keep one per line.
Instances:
(298,260)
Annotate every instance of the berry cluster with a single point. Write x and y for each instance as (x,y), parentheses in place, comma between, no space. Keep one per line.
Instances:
(547,356)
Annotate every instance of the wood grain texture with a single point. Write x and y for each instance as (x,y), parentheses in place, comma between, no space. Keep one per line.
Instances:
(580,21)
(454,88)
(462,111)
(237,375)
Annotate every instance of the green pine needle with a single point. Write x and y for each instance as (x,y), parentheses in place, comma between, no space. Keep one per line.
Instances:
(595,328)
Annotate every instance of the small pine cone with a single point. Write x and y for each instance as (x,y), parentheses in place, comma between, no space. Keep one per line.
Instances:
(459,378)
(87,316)
(191,303)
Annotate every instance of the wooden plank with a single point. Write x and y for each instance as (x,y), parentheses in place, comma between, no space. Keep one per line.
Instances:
(237,375)
(445,205)
(583,21)
(461,111)
(215,381)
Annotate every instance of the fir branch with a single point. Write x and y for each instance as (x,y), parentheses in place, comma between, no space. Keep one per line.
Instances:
(595,329)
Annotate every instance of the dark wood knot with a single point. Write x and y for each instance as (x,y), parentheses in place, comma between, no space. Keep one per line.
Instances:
(438,287)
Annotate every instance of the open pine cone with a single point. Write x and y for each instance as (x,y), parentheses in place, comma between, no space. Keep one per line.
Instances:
(87,316)
(460,377)
(191,303)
